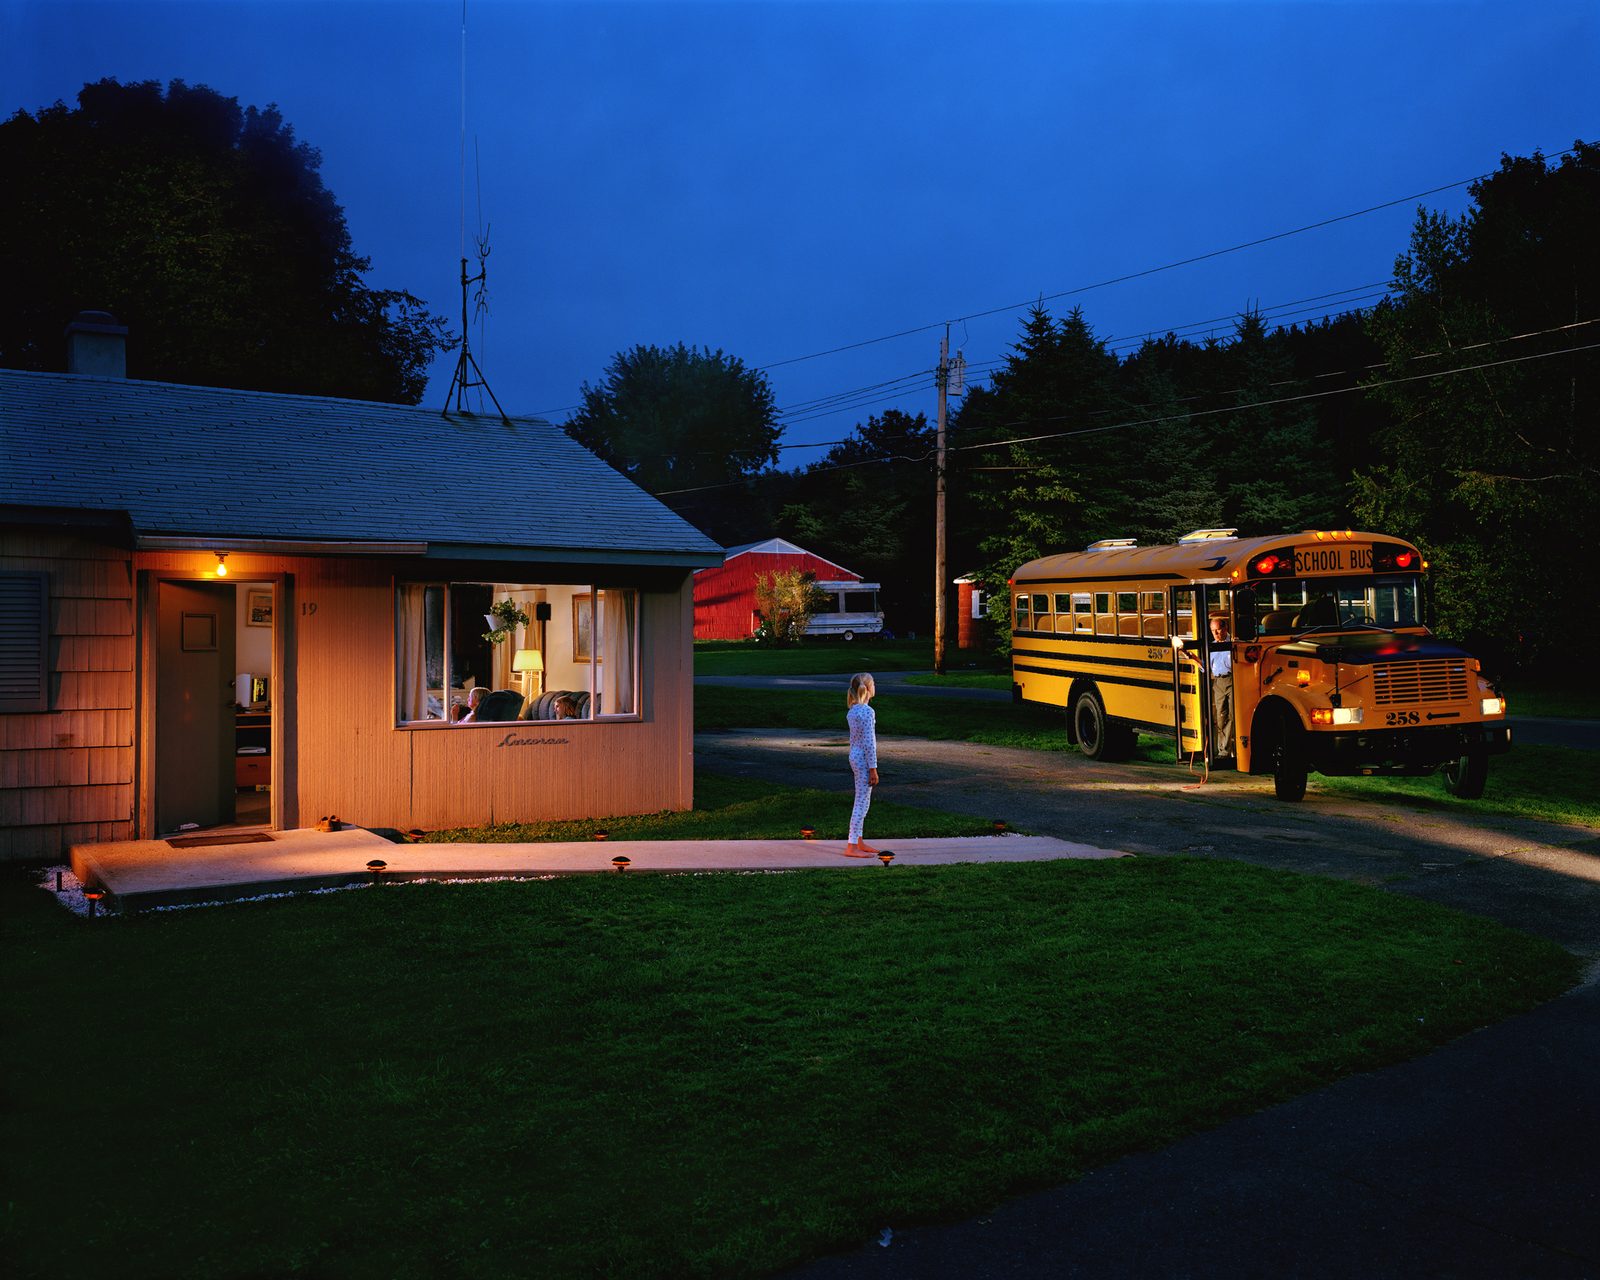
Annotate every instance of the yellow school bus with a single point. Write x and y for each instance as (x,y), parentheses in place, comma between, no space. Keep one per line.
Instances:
(1332,667)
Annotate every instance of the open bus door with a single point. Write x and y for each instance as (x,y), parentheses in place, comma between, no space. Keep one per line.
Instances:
(1188,700)
(1191,671)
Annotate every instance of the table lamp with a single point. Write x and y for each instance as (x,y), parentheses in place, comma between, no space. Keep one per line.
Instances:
(528,662)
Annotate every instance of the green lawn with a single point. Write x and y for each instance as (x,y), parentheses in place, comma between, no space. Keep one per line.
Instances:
(1553,784)
(826,657)
(1526,697)
(673,1076)
(966,679)
(728,808)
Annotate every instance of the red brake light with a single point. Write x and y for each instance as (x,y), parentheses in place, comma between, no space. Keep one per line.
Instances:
(1403,560)
(1266,565)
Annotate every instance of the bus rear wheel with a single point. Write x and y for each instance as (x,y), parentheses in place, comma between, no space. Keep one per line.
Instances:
(1289,759)
(1098,738)
(1466,776)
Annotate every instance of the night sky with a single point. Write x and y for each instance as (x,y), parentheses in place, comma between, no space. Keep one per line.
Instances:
(780,179)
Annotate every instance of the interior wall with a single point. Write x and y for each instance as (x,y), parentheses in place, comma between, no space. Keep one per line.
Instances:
(254,643)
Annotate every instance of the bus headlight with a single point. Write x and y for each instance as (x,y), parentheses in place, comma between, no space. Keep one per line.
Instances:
(1347,715)
(1493,706)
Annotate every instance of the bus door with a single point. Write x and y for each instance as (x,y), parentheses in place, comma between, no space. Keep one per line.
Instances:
(1189,706)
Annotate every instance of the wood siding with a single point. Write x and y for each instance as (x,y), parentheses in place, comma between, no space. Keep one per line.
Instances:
(725,596)
(67,774)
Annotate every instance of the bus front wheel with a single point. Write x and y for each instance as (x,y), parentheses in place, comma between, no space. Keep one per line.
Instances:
(1098,738)
(1289,760)
(1466,776)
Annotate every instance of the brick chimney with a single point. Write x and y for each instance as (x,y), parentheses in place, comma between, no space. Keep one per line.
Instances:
(97,344)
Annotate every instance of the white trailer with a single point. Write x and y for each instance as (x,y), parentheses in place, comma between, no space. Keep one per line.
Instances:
(852,611)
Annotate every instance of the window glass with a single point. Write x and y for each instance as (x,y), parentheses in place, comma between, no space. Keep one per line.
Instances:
(1063,604)
(1105,621)
(1183,609)
(1152,602)
(1081,610)
(1041,604)
(1102,602)
(460,659)
(860,602)
(1022,613)
(1127,602)
(1336,602)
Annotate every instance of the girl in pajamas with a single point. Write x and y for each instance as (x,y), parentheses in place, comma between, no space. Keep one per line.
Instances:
(863,758)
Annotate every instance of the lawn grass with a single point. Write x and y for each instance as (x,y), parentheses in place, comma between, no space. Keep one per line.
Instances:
(1551,784)
(728,808)
(823,657)
(1543,697)
(663,1076)
(966,680)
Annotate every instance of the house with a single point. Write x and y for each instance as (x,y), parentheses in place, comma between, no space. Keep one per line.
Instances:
(228,606)
(725,594)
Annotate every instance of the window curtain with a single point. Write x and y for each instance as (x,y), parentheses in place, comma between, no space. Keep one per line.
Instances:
(617,636)
(410,650)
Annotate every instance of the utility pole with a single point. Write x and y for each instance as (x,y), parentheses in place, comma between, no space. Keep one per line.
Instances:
(938,513)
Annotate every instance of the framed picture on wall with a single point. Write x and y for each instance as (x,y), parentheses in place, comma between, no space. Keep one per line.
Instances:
(258,608)
(582,628)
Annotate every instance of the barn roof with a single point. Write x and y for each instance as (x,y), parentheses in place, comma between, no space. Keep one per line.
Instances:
(783,547)
(204,462)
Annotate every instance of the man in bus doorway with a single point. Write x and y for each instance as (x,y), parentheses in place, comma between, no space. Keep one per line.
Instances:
(1222,685)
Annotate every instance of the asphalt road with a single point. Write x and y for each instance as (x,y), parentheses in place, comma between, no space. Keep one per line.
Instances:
(1478,1160)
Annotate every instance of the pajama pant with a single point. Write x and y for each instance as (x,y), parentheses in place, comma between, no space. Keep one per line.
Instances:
(858,815)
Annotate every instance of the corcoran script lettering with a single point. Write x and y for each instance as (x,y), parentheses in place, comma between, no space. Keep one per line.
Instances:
(511,740)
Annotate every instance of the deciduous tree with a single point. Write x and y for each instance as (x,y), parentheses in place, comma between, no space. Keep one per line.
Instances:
(206,229)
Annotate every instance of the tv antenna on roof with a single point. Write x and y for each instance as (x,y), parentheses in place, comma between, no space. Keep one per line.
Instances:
(467,374)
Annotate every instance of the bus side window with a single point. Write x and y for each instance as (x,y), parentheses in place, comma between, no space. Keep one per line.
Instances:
(1128,613)
(1183,609)
(1041,613)
(1152,608)
(1063,612)
(1082,613)
(1022,613)
(1105,621)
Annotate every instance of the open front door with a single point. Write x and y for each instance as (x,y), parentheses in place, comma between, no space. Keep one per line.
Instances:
(195,768)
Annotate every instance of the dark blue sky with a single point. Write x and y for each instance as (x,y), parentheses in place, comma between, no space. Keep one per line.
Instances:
(779,179)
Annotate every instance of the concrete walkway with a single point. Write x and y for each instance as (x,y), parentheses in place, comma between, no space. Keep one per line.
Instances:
(151,873)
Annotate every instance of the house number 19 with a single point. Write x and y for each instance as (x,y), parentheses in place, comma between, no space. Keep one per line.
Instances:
(308,609)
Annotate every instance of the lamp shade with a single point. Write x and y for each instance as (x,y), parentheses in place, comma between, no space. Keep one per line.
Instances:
(528,660)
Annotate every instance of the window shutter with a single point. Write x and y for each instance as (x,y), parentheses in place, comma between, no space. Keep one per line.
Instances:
(24,642)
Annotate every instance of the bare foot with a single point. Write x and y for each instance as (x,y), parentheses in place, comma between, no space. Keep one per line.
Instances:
(858,851)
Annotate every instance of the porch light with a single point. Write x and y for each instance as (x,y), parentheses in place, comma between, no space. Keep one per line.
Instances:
(222,567)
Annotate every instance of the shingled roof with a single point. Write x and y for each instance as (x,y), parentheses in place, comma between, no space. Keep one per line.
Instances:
(206,462)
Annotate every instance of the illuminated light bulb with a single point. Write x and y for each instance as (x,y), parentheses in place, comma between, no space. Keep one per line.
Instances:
(222,567)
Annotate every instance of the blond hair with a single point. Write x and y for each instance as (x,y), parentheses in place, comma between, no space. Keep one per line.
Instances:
(861,688)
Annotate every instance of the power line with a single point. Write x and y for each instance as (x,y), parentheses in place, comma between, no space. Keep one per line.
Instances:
(1136,275)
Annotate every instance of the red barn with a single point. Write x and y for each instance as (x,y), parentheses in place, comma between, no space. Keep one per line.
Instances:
(725,595)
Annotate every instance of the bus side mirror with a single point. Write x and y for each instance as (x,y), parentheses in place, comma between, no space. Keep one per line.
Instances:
(1244,614)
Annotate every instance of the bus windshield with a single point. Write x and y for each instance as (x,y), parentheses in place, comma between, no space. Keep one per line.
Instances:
(1287,608)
